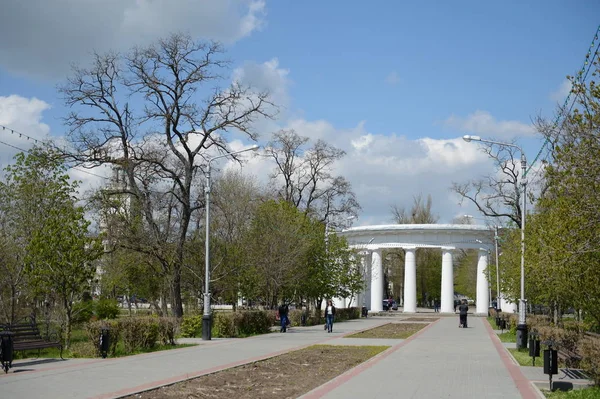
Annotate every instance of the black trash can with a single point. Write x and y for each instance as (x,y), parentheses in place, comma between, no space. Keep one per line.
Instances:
(104,342)
(6,349)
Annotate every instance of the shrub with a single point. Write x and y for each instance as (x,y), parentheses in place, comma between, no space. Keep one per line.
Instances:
(83,311)
(167,329)
(590,352)
(191,326)
(93,330)
(139,333)
(107,309)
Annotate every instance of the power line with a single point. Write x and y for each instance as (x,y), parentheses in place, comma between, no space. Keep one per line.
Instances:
(36,141)
(587,64)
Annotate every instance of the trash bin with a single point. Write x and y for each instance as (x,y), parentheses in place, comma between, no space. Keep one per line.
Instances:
(6,349)
(534,345)
(104,342)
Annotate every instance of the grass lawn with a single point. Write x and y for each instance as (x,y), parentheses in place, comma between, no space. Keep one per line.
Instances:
(523,358)
(587,393)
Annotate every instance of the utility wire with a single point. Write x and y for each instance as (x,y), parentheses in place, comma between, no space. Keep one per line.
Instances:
(36,141)
(587,64)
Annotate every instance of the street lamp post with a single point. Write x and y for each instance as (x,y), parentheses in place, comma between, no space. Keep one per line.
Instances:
(522,326)
(207,316)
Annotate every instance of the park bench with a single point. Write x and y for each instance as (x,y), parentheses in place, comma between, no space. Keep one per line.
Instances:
(27,336)
(570,358)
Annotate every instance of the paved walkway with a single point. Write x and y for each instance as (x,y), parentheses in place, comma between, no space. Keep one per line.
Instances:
(441,361)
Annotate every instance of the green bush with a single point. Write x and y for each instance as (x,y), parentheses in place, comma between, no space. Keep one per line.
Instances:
(139,333)
(83,311)
(167,329)
(93,330)
(107,309)
(191,326)
(590,353)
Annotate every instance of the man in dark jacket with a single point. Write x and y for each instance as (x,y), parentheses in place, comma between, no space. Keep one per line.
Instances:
(283,316)
(464,310)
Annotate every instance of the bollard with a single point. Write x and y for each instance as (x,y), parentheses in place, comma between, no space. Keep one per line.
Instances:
(6,349)
(104,342)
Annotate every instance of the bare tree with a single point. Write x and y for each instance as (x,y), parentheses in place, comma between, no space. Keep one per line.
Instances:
(496,195)
(161,148)
(420,213)
(305,178)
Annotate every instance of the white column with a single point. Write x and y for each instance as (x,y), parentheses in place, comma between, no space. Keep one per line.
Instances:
(447,281)
(376,282)
(483,295)
(410,281)
(368,272)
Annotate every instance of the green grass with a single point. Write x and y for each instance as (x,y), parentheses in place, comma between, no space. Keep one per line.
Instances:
(587,393)
(508,336)
(522,357)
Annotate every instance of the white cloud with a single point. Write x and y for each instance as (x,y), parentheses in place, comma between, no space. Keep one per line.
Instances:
(562,92)
(393,78)
(44,37)
(20,117)
(483,123)
(266,77)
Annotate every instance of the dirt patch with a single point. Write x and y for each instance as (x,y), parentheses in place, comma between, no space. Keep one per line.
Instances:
(391,330)
(427,319)
(286,376)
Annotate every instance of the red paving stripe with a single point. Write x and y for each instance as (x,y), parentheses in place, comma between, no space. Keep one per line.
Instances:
(523,384)
(348,375)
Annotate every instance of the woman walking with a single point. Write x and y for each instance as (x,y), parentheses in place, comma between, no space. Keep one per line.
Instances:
(329,315)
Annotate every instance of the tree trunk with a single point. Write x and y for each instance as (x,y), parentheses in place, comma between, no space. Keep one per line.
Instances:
(176,304)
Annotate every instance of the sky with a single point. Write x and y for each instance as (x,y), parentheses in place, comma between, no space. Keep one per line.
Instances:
(395,84)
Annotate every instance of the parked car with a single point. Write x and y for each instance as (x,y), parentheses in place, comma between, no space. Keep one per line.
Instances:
(386,305)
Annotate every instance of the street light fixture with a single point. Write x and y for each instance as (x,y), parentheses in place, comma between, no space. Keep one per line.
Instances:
(522,326)
(207,316)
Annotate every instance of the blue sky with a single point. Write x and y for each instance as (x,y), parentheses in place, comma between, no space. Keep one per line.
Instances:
(393,83)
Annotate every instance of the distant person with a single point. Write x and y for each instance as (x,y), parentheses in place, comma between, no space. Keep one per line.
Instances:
(464,310)
(329,315)
(283,317)
(436,305)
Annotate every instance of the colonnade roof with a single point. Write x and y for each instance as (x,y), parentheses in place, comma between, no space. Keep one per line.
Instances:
(420,236)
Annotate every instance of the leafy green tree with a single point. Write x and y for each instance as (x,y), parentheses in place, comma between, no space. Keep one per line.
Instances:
(58,252)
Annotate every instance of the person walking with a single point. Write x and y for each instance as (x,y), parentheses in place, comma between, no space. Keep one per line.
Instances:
(283,317)
(464,310)
(329,315)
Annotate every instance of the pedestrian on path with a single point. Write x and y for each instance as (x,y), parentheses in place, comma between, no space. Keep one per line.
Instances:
(464,310)
(329,315)
(283,317)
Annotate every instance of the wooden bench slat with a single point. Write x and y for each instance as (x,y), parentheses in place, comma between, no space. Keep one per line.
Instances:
(27,336)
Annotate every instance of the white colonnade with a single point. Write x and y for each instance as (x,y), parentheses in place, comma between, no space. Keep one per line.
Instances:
(371,240)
